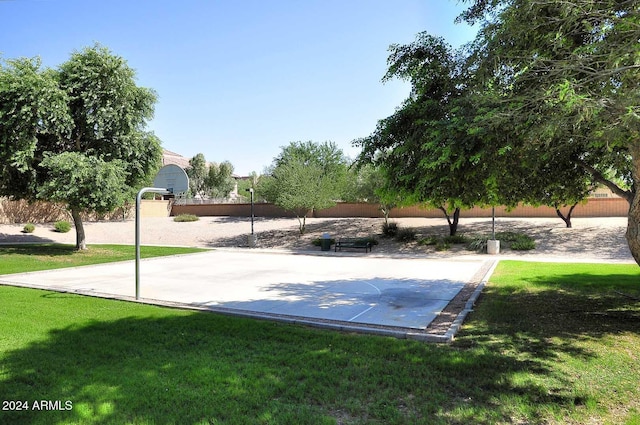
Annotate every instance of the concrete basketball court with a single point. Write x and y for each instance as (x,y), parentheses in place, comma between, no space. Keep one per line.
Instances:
(354,288)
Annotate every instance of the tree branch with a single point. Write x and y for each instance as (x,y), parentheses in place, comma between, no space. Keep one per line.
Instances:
(600,178)
(446,214)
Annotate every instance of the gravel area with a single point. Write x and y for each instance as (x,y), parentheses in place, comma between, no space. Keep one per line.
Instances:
(590,239)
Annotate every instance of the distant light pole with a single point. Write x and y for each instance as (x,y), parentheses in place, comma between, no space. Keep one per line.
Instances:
(493,222)
(250,190)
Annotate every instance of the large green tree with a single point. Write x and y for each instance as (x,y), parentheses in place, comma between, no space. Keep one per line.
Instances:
(306,176)
(568,72)
(75,134)
(370,184)
(427,148)
(210,179)
(197,172)
(220,179)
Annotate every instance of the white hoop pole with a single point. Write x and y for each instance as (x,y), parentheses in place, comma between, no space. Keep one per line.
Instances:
(144,190)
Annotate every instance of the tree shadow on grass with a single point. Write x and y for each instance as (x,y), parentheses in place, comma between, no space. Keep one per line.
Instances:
(165,366)
(36,248)
(560,310)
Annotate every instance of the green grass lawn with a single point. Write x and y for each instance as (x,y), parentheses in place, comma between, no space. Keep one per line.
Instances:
(32,257)
(547,343)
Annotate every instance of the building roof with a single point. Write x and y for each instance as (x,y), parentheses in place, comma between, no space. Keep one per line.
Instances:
(169,157)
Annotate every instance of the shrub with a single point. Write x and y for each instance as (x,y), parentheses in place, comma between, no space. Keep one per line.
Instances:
(508,236)
(443,246)
(455,239)
(406,235)
(523,243)
(478,243)
(62,226)
(429,240)
(29,228)
(390,229)
(371,240)
(183,218)
(318,241)
(515,241)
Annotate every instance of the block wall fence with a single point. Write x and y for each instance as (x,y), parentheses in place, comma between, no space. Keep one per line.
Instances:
(24,212)
(46,212)
(594,207)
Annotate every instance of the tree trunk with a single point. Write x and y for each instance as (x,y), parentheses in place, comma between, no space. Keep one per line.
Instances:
(385,213)
(302,223)
(453,224)
(633,218)
(567,218)
(81,241)
(633,228)
(453,227)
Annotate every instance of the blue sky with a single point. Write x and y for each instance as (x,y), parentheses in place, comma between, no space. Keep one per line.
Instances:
(239,79)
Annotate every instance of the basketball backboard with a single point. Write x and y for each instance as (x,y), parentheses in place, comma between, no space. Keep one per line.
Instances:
(173,178)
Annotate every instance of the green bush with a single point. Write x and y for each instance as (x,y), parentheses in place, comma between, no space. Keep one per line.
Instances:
(508,236)
(429,240)
(390,229)
(516,241)
(406,235)
(456,239)
(443,246)
(183,218)
(29,228)
(371,240)
(513,240)
(318,241)
(62,226)
(478,243)
(523,243)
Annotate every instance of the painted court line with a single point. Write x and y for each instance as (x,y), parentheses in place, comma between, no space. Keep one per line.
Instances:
(360,314)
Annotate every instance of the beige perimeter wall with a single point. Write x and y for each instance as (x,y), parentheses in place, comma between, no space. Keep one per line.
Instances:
(47,212)
(151,208)
(594,207)
(24,212)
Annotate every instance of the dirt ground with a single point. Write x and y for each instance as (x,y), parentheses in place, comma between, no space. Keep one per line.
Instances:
(589,239)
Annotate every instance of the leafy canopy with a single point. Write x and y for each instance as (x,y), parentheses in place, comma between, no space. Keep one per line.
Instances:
(427,147)
(568,74)
(210,179)
(75,134)
(84,182)
(304,177)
